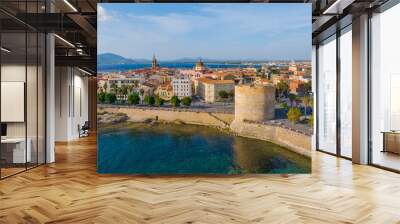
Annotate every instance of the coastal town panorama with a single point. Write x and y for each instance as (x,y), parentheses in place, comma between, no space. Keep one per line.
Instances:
(188,103)
(209,86)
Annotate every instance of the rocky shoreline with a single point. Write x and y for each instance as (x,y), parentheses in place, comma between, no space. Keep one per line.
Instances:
(104,118)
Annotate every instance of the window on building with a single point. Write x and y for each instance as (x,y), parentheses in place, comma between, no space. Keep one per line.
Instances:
(346,92)
(385,88)
(22,95)
(327,95)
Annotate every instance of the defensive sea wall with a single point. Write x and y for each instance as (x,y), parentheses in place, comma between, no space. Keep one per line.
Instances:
(291,139)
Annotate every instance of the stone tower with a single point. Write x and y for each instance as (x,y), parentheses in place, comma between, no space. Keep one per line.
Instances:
(154,64)
(254,102)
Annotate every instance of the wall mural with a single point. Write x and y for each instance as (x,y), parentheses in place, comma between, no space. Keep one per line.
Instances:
(204,88)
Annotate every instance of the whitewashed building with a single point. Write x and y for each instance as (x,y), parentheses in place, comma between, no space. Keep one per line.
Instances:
(182,86)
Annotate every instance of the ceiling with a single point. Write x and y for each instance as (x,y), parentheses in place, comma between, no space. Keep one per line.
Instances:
(332,15)
(75,21)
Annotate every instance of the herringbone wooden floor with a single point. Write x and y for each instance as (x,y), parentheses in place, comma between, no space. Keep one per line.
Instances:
(70,191)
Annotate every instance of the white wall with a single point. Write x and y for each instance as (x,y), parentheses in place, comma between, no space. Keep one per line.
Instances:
(80,109)
(71,102)
(33,126)
(62,82)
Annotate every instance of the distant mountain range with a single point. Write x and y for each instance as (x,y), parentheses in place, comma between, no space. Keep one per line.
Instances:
(114,59)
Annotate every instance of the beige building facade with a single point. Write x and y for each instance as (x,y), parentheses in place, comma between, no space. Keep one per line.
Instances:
(164,91)
(208,89)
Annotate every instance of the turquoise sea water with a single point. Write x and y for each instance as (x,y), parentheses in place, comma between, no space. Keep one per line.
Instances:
(133,148)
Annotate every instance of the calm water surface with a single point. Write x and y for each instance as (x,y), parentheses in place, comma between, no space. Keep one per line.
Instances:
(180,65)
(133,148)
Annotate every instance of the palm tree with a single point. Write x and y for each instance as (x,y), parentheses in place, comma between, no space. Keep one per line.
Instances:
(113,88)
(135,83)
(141,92)
(131,88)
(307,87)
(117,92)
(307,101)
(124,91)
(282,88)
(292,98)
(105,87)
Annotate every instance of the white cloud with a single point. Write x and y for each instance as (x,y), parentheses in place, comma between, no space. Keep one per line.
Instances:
(169,23)
(102,14)
(252,21)
(213,31)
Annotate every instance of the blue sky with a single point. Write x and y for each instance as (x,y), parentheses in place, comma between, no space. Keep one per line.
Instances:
(214,31)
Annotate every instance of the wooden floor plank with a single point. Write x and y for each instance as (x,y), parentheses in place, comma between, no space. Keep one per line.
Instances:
(70,191)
